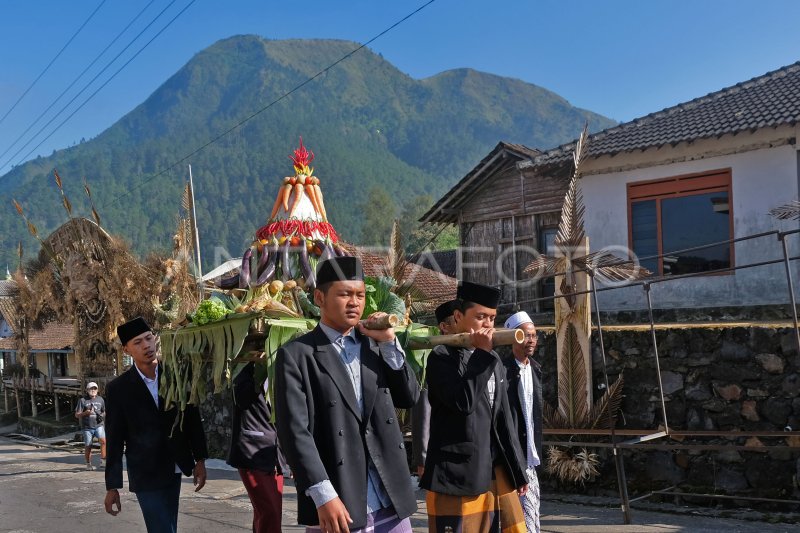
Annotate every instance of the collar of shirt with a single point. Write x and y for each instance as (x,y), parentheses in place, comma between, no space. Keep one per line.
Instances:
(334,335)
(521,365)
(151,384)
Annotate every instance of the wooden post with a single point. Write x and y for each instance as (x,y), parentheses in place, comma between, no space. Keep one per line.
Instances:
(55,406)
(16,396)
(5,398)
(579,317)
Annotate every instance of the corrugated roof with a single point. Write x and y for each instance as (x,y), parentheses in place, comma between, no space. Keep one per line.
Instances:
(445,210)
(54,336)
(766,101)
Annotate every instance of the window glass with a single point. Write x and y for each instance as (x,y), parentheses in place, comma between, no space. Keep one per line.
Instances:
(644,226)
(690,221)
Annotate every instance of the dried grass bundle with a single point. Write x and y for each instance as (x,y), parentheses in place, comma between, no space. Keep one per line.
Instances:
(572,467)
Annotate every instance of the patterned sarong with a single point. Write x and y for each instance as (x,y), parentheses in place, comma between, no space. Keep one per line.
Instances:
(530,502)
(495,511)
(382,521)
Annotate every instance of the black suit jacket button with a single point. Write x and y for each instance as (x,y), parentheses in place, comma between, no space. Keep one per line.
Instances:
(341,461)
(341,432)
(389,420)
(332,403)
(386,391)
(366,431)
(402,446)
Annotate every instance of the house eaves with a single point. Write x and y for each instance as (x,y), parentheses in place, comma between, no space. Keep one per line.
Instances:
(446,209)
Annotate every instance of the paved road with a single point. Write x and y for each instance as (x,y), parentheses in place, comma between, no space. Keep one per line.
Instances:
(44,490)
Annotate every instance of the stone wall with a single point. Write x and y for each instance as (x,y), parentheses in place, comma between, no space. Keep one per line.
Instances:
(736,378)
(714,378)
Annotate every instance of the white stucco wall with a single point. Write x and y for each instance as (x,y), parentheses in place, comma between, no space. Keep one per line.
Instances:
(761,179)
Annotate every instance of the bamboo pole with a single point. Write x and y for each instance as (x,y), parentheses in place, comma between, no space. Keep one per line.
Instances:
(382,322)
(502,337)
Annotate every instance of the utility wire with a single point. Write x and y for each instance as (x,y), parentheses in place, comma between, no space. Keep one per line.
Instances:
(92,81)
(97,58)
(52,61)
(269,105)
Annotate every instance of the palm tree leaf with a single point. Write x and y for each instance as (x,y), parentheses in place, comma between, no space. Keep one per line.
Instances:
(544,266)
(610,268)
(607,405)
(788,211)
(572,381)
(552,418)
(570,232)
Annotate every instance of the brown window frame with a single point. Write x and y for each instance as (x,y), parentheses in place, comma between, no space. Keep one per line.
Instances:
(718,180)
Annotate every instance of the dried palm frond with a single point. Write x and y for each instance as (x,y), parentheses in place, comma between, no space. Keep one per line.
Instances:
(572,382)
(787,212)
(610,268)
(544,266)
(603,414)
(570,232)
(572,467)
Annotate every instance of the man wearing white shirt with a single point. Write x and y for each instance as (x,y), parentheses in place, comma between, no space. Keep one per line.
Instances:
(525,398)
(157,450)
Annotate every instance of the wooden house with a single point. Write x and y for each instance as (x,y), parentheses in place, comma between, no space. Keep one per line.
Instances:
(505,217)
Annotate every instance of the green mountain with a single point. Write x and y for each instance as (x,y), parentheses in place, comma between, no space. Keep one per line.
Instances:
(370,126)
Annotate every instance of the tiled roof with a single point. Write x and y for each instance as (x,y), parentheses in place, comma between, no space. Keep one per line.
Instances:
(435,286)
(7,288)
(444,210)
(54,336)
(766,101)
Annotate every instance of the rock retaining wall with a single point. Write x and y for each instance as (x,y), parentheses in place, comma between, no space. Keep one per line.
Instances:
(743,378)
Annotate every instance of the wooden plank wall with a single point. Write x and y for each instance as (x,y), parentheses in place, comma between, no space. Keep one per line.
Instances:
(498,227)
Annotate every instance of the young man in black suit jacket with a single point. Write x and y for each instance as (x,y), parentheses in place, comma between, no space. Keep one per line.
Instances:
(157,450)
(336,389)
(525,399)
(254,450)
(474,470)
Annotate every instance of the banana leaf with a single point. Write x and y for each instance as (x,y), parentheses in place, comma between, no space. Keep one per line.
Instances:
(183,351)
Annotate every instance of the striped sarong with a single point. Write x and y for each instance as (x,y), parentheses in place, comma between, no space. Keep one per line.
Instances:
(382,521)
(495,511)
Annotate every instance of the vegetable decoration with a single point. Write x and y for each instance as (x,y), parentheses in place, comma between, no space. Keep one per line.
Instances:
(295,238)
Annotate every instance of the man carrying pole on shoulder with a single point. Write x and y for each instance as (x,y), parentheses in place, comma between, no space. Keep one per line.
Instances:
(336,389)
(474,470)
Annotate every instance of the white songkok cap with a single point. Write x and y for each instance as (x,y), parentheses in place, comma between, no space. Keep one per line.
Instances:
(517,319)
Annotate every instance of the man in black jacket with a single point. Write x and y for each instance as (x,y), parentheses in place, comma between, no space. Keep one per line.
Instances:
(475,469)
(254,450)
(336,389)
(157,450)
(525,398)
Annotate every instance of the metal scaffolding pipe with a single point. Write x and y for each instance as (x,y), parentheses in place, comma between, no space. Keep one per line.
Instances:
(622,480)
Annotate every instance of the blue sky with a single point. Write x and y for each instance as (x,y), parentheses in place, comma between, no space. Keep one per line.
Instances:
(620,58)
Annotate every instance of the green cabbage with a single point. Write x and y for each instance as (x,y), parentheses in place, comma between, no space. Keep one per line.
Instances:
(210,310)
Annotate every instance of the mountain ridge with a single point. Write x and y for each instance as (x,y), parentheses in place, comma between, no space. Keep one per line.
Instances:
(369,124)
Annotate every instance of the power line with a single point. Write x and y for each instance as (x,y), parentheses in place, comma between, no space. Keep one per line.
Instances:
(92,81)
(269,105)
(97,58)
(52,61)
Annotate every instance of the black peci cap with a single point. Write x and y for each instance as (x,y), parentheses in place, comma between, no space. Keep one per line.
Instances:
(339,269)
(444,311)
(131,329)
(479,294)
